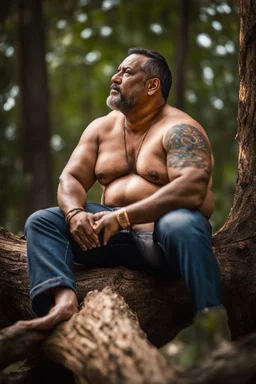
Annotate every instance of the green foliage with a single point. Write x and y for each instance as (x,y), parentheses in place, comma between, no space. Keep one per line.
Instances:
(86,41)
(196,343)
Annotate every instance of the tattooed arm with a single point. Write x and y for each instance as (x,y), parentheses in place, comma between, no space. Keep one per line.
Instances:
(187,147)
(189,164)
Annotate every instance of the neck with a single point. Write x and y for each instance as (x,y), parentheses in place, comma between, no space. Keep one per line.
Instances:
(139,121)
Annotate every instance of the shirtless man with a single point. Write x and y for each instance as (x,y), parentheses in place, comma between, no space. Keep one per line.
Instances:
(154,165)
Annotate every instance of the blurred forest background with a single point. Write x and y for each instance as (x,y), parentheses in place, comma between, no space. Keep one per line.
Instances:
(56,62)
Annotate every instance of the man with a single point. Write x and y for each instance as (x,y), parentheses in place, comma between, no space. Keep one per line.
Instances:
(154,165)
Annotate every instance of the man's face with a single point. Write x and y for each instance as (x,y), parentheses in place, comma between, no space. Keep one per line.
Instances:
(127,84)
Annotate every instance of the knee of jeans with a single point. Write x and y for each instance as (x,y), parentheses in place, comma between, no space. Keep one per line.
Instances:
(34,219)
(178,223)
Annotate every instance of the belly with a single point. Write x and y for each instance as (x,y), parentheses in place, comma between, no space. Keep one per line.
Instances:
(132,188)
(127,190)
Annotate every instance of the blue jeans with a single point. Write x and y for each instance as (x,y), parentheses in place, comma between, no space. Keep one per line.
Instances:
(182,241)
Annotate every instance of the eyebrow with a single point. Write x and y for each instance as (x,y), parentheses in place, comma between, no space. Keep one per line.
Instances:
(124,68)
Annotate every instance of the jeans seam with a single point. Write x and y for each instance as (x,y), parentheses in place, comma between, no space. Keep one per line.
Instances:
(66,252)
(55,279)
(50,283)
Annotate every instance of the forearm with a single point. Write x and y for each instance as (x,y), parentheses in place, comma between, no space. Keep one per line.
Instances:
(177,194)
(71,194)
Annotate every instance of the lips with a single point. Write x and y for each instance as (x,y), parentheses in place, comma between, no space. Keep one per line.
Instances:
(114,91)
(115,88)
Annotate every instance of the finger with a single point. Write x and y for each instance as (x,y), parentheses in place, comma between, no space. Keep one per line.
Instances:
(97,216)
(91,237)
(82,239)
(80,242)
(94,224)
(99,227)
(94,240)
(87,241)
(107,235)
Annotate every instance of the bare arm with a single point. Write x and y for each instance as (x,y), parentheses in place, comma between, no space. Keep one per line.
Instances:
(78,175)
(76,179)
(189,163)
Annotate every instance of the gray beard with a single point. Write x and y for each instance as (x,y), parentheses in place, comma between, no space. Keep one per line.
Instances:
(114,102)
(118,103)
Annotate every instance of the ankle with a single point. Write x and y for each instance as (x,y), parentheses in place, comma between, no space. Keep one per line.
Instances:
(68,307)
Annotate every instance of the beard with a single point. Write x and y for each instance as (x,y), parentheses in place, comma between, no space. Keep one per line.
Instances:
(120,102)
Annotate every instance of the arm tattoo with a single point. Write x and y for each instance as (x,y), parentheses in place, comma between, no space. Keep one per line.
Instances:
(186,146)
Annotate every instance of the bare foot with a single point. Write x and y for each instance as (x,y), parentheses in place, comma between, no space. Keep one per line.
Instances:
(56,315)
(65,306)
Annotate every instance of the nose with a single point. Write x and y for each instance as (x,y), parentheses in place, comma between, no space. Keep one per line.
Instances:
(116,78)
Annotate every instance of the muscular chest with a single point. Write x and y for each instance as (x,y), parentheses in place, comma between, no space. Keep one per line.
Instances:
(119,156)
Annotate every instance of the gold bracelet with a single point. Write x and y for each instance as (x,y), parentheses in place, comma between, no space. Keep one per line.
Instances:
(123,219)
(72,213)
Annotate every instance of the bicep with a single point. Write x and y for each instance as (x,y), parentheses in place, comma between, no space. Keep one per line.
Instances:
(188,151)
(81,164)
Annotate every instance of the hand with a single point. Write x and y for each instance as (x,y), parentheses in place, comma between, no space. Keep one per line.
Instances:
(106,222)
(81,228)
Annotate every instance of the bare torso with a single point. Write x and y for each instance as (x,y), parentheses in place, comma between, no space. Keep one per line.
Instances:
(123,183)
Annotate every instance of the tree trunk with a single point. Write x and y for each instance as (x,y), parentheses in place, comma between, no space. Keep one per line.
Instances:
(182,46)
(235,243)
(35,111)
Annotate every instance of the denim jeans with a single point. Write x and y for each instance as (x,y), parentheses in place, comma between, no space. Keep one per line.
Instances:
(182,241)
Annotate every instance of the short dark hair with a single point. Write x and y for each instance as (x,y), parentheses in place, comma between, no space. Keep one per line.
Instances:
(156,66)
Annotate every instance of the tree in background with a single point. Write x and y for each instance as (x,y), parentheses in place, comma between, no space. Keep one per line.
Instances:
(86,41)
(182,48)
(36,133)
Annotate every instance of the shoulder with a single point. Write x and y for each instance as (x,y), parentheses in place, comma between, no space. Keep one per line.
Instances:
(102,124)
(174,117)
(179,125)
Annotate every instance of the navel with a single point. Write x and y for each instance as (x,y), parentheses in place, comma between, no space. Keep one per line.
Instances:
(99,175)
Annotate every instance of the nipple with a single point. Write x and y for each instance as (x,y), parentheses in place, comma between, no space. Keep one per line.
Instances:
(154,175)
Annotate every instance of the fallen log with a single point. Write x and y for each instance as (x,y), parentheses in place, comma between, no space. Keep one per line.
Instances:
(162,307)
(104,343)
(104,340)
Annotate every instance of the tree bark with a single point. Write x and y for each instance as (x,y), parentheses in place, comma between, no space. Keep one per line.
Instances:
(235,243)
(35,110)
(108,329)
(104,343)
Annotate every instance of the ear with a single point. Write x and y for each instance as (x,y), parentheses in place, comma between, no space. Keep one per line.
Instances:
(153,86)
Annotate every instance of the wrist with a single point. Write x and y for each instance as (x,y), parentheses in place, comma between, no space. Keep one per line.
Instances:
(123,218)
(71,213)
